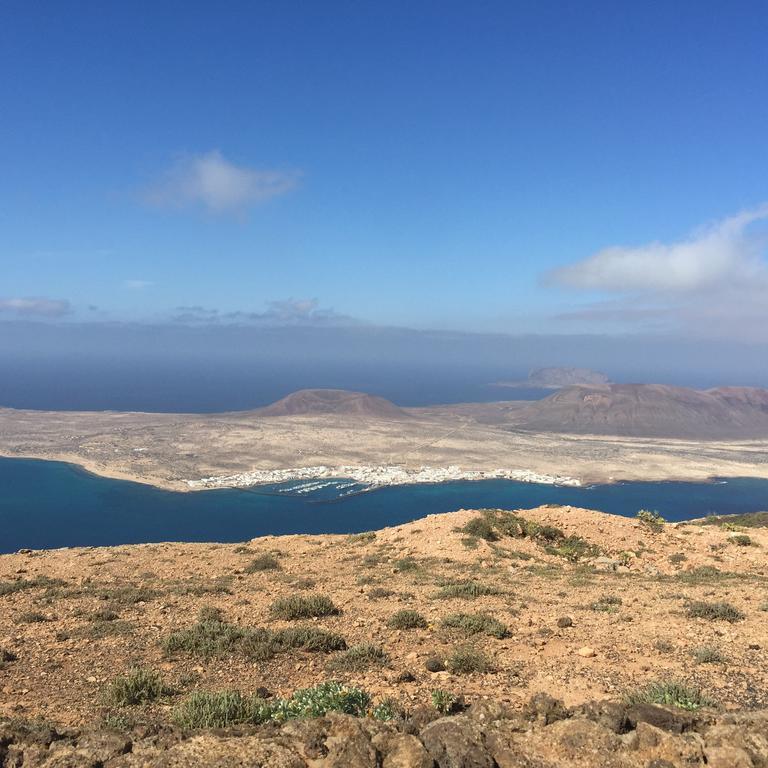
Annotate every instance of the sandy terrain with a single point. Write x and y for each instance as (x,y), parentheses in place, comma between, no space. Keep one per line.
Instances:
(109,609)
(168,449)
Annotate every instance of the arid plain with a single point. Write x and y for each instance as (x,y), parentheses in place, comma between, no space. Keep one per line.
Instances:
(167,450)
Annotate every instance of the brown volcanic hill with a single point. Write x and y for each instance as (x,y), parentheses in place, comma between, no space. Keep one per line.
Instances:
(340,401)
(651,410)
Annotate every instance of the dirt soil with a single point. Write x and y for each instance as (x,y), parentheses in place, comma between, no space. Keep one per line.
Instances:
(72,620)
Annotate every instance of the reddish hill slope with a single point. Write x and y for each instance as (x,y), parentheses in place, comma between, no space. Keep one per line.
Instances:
(651,410)
(341,401)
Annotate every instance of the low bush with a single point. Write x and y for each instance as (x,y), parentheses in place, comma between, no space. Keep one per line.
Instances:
(303,607)
(228,708)
(212,636)
(308,638)
(359,658)
(708,654)
(465,660)
(651,520)
(204,709)
(31,617)
(138,686)
(606,604)
(407,619)
(672,694)
(746,520)
(9,587)
(719,611)
(475,624)
(741,539)
(379,592)
(443,701)
(480,528)
(469,590)
(264,562)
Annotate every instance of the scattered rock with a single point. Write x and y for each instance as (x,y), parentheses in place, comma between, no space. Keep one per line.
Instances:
(587,652)
(434,664)
(564,621)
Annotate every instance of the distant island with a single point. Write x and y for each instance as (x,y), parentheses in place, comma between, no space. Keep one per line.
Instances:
(558,378)
(578,434)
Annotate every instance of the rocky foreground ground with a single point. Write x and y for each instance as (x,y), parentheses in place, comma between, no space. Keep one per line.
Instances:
(546,637)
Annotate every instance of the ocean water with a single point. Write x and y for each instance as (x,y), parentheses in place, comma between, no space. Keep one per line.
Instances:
(51,504)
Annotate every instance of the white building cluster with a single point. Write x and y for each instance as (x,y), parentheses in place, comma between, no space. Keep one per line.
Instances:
(376,476)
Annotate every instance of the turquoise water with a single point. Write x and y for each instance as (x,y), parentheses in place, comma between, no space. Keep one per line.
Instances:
(49,504)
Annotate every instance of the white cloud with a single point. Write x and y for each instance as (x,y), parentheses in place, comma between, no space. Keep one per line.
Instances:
(727,253)
(137,285)
(36,306)
(215,183)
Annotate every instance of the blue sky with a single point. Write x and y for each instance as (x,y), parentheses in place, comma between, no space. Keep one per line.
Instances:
(513,167)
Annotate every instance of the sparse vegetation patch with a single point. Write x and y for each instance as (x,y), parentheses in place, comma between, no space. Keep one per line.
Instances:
(223,709)
(465,660)
(469,590)
(263,562)
(719,611)
(407,619)
(303,607)
(138,686)
(359,658)
(475,624)
(652,520)
(672,694)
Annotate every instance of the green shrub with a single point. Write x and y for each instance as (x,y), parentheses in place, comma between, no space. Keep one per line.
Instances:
(204,709)
(224,709)
(359,658)
(362,538)
(221,585)
(406,564)
(407,619)
(606,603)
(651,520)
(465,660)
(721,611)
(555,542)
(443,701)
(708,654)
(386,710)
(264,562)
(729,522)
(378,592)
(331,696)
(468,590)
(670,693)
(481,528)
(104,614)
(31,617)
(126,594)
(741,539)
(138,686)
(303,607)
(573,548)
(475,624)
(9,587)
(212,636)
(308,638)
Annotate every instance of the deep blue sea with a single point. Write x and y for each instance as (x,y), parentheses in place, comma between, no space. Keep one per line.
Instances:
(50,504)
